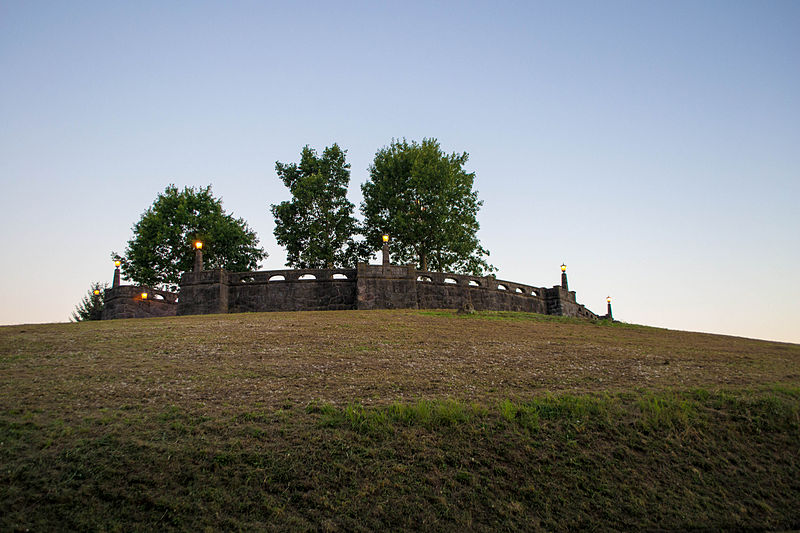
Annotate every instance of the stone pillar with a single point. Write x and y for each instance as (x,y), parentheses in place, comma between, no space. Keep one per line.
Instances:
(564,284)
(198,260)
(223,291)
(609,315)
(115,284)
(385,253)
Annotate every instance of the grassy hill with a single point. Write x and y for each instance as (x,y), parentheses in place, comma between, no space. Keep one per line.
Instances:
(368,420)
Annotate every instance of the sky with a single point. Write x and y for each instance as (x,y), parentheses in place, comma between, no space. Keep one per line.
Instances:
(653,147)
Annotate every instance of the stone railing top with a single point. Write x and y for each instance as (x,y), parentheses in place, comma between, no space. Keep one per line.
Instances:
(484,282)
(135,291)
(370,271)
(303,274)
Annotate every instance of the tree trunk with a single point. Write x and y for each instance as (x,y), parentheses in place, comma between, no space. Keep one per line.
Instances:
(423,262)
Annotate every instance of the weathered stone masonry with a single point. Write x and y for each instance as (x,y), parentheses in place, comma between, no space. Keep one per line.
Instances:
(125,301)
(366,287)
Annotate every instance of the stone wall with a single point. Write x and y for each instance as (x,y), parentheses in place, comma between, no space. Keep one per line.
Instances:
(405,287)
(203,293)
(563,303)
(367,287)
(125,301)
(438,290)
(292,290)
(386,287)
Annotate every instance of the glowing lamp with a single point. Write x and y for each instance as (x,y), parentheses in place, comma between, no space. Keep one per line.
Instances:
(117,263)
(563,267)
(144,296)
(198,245)
(608,299)
(385,238)
(96,292)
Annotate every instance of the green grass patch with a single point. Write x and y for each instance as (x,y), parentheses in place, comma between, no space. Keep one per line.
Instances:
(378,420)
(666,411)
(632,461)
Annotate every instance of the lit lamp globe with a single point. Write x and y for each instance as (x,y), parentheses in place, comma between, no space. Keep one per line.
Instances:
(96,292)
(608,299)
(117,263)
(144,296)
(385,237)
(563,267)
(198,245)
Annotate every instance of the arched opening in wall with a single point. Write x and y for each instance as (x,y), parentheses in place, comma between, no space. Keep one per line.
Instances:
(308,276)
(502,288)
(473,283)
(176,300)
(340,276)
(277,277)
(158,297)
(518,290)
(451,281)
(426,279)
(533,293)
(247,279)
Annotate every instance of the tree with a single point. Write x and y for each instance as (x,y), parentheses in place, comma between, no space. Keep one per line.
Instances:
(423,199)
(316,226)
(161,248)
(91,307)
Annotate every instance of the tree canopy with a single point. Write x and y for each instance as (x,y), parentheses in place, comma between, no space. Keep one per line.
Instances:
(423,199)
(161,247)
(91,306)
(316,226)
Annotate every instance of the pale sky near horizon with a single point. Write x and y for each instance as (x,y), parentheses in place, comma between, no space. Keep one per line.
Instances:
(652,146)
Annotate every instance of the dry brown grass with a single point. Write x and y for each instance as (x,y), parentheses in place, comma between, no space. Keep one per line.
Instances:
(373,357)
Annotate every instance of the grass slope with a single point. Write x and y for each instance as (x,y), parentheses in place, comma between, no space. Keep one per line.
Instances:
(396,419)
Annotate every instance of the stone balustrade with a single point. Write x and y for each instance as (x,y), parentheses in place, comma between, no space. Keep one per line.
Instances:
(365,287)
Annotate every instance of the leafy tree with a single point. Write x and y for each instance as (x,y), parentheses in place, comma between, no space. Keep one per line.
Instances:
(91,306)
(162,245)
(316,226)
(423,199)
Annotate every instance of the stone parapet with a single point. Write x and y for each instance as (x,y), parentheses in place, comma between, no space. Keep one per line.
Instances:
(204,292)
(125,301)
(438,290)
(275,290)
(365,287)
(386,287)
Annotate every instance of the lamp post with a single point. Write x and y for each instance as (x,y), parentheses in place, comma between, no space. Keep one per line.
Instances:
(117,263)
(608,302)
(385,249)
(564,284)
(198,256)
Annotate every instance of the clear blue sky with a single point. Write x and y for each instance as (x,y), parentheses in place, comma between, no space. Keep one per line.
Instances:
(652,146)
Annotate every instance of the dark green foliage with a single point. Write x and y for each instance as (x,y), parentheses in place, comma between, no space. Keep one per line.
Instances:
(91,306)
(317,226)
(162,245)
(423,199)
